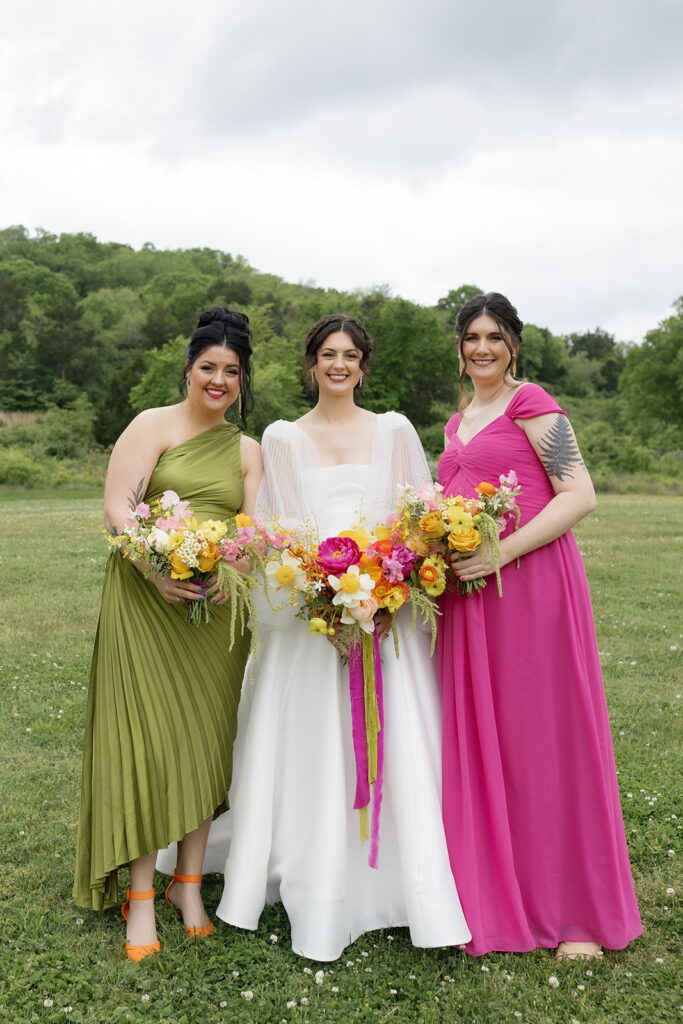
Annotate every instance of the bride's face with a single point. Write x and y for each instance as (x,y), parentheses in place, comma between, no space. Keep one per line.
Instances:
(337,368)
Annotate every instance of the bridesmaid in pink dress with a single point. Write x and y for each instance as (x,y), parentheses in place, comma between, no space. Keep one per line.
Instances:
(530,798)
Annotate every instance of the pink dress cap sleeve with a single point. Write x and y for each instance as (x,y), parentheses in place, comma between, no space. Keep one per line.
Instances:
(452,425)
(531,400)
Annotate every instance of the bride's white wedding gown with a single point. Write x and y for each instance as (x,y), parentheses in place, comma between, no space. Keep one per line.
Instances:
(292,832)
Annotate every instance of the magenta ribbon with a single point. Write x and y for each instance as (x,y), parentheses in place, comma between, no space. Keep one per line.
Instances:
(357,694)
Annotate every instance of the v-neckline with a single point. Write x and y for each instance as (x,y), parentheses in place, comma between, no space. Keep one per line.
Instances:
(465,444)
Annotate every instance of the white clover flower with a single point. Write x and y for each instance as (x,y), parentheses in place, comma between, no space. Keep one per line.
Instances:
(484,968)
(304,1001)
(659,959)
(553,981)
(670,853)
(291,1003)
(581,988)
(364,953)
(589,974)
(47,1002)
(68,1009)
(393,991)
(235,974)
(273,938)
(349,963)
(145,997)
(79,920)
(223,1003)
(335,988)
(517,1013)
(670,891)
(247,995)
(307,970)
(319,977)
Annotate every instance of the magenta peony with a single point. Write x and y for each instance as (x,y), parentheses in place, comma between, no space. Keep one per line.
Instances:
(336,554)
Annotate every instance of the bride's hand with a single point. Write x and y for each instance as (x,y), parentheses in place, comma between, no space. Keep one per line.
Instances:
(383,622)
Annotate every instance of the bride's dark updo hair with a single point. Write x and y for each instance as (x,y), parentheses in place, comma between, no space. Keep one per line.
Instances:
(321,330)
(226,327)
(501,310)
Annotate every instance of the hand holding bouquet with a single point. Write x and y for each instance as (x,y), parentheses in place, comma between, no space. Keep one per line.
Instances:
(439,527)
(166,539)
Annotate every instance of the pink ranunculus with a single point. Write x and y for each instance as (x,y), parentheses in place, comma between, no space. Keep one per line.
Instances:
(141,510)
(229,550)
(510,479)
(245,534)
(336,554)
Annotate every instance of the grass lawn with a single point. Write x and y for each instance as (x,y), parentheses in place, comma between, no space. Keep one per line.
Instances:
(59,963)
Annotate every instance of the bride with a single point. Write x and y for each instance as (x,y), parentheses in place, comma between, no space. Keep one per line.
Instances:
(295,835)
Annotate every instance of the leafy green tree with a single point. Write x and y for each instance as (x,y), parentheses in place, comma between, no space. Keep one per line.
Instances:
(452,303)
(543,357)
(652,380)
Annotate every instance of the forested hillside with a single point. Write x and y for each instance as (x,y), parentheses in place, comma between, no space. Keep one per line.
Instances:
(92,332)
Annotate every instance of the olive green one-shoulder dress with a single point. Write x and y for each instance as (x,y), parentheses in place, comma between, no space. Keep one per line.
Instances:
(162,703)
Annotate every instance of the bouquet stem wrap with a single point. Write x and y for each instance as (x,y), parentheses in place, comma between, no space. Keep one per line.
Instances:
(367,719)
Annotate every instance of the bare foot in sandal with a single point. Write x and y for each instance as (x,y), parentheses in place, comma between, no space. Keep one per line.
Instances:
(578,951)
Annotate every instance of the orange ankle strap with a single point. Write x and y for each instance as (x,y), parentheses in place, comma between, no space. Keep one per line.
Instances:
(186,878)
(149,895)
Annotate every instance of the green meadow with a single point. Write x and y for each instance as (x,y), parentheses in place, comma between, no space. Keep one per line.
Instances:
(59,963)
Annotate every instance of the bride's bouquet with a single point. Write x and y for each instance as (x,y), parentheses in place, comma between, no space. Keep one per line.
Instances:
(339,586)
(165,538)
(436,527)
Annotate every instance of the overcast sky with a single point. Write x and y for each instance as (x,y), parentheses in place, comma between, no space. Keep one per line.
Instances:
(534,147)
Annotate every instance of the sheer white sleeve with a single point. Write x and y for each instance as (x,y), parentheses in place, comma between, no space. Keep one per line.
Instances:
(286,490)
(398,459)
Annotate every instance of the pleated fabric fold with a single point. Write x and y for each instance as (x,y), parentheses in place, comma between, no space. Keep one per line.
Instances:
(163,698)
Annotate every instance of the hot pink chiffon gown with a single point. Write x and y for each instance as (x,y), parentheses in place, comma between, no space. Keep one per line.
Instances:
(530,798)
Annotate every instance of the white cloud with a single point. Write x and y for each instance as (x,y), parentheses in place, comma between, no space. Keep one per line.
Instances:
(534,148)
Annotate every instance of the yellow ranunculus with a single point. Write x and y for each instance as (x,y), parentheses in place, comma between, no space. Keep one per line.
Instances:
(179,570)
(213,529)
(176,539)
(383,533)
(243,520)
(432,524)
(318,627)
(458,516)
(433,575)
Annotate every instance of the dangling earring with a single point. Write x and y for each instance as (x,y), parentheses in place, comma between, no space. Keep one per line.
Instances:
(189,398)
(514,366)
(239,405)
(312,376)
(360,380)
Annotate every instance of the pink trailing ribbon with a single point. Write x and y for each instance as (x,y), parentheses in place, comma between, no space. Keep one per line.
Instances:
(367,719)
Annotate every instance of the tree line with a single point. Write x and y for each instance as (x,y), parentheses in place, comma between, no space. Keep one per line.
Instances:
(91,332)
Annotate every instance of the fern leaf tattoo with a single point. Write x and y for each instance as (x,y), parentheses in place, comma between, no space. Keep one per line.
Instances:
(560,453)
(137,495)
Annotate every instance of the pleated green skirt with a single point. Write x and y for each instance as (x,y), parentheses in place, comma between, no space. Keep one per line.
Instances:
(163,697)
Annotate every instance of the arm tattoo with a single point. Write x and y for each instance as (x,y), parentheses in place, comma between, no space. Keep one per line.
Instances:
(137,495)
(560,453)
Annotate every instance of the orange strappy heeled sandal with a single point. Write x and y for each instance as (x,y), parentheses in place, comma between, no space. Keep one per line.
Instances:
(190,929)
(137,953)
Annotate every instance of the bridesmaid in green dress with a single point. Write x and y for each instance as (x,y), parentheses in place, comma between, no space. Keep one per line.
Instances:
(163,696)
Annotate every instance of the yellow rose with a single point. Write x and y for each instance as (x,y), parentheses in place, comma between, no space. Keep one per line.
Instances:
(243,520)
(208,557)
(179,570)
(464,538)
(213,529)
(432,524)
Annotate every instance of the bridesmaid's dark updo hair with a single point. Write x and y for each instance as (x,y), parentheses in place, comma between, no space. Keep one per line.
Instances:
(321,330)
(222,326)
(501,310)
